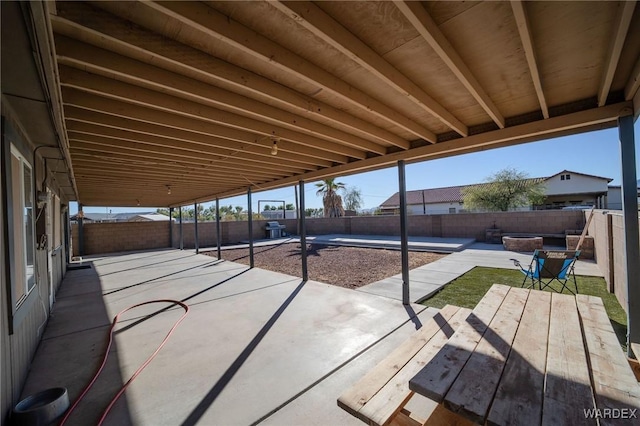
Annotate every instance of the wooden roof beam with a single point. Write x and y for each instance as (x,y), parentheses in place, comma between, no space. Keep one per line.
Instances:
(111,65)
(100,104)
(114,89)
(104,160)
(620,29)
(82,22)
(175,140)
(428,29)
(142,173)
(223,28)
(571,123)
(87,134)
(633,84)
(520,15)
(325,27)
(112,149)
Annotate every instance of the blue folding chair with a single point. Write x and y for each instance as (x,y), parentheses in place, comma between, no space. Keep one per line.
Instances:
(548,266)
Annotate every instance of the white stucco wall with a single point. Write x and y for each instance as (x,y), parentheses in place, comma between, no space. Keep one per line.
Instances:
(578,184)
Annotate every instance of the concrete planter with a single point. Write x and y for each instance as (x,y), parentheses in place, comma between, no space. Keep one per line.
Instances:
(523,244)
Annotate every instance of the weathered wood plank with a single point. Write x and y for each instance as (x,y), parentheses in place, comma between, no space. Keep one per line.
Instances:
(518,399)
(439,374)
(568,387)
(472,392)
(383,407)
(360,393)
(615,386)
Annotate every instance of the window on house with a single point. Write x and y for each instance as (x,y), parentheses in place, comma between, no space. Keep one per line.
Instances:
(561,177)
(567,177)
(452,209)
(22,203)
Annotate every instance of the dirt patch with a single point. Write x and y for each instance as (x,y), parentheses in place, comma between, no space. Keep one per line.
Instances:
(349,267)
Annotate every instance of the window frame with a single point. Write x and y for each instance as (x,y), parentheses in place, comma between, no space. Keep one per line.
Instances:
(11,137)
(21,277)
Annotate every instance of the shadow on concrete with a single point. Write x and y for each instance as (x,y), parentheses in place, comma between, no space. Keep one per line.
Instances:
(215,391)
(413,317)
(71,356)
(149,281)
(185,300)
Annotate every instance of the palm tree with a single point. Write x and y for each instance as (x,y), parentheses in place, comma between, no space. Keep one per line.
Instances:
(330,199)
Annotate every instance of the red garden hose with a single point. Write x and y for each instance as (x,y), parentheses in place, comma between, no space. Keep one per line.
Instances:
(138,371)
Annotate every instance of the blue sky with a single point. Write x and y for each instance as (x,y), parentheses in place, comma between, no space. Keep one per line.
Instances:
(596,153)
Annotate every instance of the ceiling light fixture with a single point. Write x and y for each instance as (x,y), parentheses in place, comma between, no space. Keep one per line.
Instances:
(138,202)
(168,189)
(274,148)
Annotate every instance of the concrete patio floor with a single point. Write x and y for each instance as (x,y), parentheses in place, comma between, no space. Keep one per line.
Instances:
(257,346)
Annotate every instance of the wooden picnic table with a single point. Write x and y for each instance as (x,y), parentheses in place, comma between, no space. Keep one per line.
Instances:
(532,357)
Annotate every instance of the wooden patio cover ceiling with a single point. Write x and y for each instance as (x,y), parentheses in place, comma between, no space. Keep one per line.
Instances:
(191,95)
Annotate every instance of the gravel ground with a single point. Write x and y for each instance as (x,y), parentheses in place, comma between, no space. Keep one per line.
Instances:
(349,267)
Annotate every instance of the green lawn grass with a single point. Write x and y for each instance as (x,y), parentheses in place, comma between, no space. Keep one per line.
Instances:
(468,289)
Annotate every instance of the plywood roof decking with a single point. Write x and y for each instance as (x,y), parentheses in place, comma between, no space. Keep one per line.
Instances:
(191,95)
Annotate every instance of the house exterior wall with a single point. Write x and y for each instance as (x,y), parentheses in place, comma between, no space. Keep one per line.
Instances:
(578,184)
(614,198)
(22,330)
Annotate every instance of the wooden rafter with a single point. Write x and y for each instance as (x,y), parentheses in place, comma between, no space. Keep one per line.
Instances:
(520,15)
(633,85)
(108,64)
(120,128)
(428,29)
(220,27)
(322,25)
(605,117)
(113,89)
(123,109)
(620,29)
(107,32)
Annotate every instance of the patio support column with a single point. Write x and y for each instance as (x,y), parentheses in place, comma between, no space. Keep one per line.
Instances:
(630,217)
(171,227)
(250,227)
(80,217)
(303,234)
(404,232)
(195,212)
(181,233)
(218,227)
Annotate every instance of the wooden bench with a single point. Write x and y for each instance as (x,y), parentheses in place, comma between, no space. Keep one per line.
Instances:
(532,357)
(613,385)
(380,396)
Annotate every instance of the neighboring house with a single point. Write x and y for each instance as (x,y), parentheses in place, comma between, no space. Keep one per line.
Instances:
(149,217)
(614,197)
(120,217)
(566,188)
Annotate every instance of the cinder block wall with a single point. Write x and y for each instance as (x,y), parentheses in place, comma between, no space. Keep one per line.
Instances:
(124,236)
(114,237)
(473,225)
(607,229)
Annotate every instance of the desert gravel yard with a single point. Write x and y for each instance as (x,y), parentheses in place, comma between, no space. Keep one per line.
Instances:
(349,267)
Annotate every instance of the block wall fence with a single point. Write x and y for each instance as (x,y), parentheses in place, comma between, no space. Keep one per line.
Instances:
(607,228)
(102,238)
